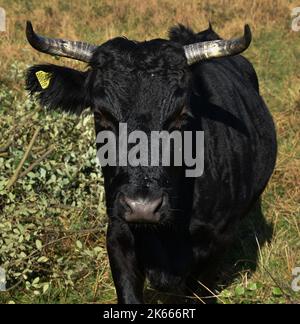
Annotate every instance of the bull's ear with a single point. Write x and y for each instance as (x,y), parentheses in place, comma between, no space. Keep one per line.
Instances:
(59,87)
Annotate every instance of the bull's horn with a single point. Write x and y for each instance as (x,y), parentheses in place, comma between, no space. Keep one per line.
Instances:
(76,50)
(218,48)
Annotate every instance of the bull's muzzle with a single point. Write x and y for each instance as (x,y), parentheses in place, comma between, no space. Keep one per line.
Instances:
(143,210)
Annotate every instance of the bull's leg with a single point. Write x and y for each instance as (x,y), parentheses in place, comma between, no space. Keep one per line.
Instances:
(127,275)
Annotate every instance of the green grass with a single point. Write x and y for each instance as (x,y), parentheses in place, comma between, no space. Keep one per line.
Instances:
(60,203)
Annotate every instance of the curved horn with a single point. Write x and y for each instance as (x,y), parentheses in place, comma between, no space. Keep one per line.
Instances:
(218,48)
(76,50)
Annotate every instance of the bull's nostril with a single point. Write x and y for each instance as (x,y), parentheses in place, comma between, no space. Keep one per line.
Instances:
(157,204)
(124,202)
(142,210)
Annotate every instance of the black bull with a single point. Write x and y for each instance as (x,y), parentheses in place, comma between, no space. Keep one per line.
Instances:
(162,225)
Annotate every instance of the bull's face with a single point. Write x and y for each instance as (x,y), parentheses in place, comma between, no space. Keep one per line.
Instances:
(141,87)
(145,86)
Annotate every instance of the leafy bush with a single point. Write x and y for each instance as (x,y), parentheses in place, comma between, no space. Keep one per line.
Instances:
(52,216)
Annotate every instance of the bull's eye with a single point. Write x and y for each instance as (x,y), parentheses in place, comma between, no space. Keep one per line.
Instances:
(105,120)
(178,120)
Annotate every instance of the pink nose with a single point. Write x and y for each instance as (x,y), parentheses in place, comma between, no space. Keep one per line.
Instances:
(143,211)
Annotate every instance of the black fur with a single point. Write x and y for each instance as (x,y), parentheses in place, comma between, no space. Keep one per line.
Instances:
(144,84)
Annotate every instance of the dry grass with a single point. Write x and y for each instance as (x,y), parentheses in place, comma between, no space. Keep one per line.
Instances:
(275,53)
(133,18)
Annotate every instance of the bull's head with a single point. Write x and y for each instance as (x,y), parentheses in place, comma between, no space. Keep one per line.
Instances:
(147,86)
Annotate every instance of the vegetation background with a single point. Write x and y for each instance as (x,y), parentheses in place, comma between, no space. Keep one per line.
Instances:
(52,211)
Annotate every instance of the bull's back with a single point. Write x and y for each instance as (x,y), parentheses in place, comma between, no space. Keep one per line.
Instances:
(240,139)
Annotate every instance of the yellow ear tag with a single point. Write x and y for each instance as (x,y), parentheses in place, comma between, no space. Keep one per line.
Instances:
(43,78)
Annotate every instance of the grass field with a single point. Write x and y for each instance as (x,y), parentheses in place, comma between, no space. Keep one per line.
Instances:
(52,217)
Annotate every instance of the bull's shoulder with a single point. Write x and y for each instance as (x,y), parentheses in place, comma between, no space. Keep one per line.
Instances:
(246,68)
(185,36)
